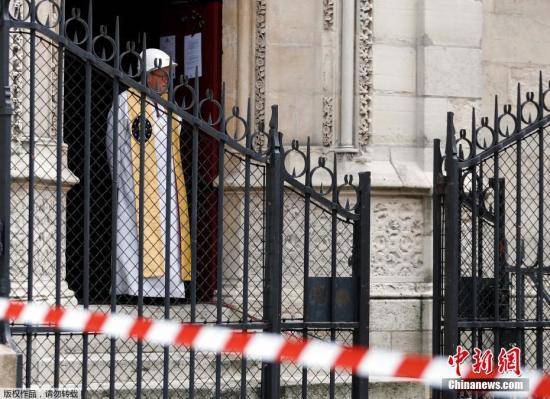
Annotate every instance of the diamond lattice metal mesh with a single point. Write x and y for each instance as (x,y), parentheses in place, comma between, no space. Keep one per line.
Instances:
(503,232)
(64,249)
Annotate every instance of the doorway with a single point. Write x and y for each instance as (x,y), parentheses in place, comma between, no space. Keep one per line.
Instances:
(175,20)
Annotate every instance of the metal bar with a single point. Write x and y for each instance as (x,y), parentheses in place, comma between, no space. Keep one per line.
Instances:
(274,205)
(114,214)
(141,221)
(86,199)
(436,199)
(360,386)
(518,261)
(480,232)
(333,267)
(307,210)
(167,228)
(438,187)
(491,324)
(540,253)
(58,193)
(321,200)
(451,245)
(6,112)
(194,219)
(475,210)
(452,249)
(219,241)
(32,157)
(246,243)
(286,326)
(497,229)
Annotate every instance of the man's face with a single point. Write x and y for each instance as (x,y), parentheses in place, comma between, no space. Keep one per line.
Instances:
(158,80)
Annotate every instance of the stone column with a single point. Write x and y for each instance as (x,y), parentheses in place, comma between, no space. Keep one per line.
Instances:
(347,75)
(46,110)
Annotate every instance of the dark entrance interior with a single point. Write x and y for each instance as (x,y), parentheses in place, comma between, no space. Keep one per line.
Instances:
(156,19)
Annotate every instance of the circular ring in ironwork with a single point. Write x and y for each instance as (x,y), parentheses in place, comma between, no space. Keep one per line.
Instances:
(210,98)
(131,52)
(463,139)
(348,184)
(184,85)
(530,99)
(236,116)
(104,37)
(322,166)
(485,126)
(75,18)
(295,148)
(48,23)
(15,8)
(507,113)
(258,139)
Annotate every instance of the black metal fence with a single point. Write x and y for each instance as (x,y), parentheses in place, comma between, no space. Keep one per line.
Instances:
(491,234)
(99,173)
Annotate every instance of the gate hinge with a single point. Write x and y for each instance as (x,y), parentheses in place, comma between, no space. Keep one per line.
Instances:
(440,182)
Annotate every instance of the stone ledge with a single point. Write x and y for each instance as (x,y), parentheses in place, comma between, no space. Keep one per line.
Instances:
(8,367)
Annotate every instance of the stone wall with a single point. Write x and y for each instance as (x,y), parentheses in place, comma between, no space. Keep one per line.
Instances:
(516,37)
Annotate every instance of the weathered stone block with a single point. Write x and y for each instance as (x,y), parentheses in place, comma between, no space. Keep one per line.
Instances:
(395,315)
(394,119)
(406,341)
(451,72)
(394,68)
(8,367)
(400,19)
(453,22)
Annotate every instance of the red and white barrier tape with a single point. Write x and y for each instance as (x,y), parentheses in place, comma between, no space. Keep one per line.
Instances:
(265,347)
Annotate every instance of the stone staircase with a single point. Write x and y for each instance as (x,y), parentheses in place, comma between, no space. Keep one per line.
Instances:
(99,360)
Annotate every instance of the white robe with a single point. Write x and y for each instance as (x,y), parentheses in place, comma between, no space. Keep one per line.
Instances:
(127,253)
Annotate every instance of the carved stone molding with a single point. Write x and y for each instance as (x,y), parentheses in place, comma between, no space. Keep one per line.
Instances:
(328,121)
(364,68)
(328,14)
(259,63)
(17,71)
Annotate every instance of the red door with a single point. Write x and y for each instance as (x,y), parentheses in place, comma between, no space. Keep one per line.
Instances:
(176,22)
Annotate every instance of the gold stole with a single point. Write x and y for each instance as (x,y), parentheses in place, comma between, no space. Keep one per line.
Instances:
(153,242)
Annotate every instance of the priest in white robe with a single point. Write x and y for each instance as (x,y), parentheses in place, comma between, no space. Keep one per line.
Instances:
(155,205)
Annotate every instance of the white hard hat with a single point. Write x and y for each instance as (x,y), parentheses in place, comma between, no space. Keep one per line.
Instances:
(152,55)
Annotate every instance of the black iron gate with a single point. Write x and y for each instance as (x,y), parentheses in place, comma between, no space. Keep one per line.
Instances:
(491,234)
(288,255)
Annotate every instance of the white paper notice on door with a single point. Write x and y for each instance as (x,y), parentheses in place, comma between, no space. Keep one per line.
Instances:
(192,54)
(168,45)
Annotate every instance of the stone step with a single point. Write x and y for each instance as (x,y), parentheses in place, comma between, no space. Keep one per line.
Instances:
(291,387)
(126,365)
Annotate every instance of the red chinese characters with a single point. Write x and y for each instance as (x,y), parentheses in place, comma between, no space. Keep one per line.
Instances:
(482,361)
(509,360)
(459,358)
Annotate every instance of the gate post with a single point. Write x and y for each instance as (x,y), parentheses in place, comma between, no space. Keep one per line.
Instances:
(5,156)
(452,245)
(274,258)
(360,386)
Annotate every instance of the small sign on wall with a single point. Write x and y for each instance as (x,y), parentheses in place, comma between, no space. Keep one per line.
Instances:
(192,46)
(168,45)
